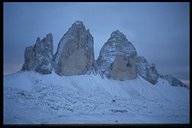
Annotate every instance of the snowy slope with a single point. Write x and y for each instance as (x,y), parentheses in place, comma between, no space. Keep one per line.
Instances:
(32,98)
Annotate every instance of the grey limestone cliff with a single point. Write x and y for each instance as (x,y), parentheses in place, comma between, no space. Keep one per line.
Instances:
(40,57)
(117,58)
(75,53)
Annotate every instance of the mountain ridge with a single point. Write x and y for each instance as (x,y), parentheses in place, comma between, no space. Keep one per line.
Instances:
(120,87)
(118,58)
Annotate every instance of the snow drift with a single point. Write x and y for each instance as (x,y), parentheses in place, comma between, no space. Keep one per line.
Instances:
(33,98)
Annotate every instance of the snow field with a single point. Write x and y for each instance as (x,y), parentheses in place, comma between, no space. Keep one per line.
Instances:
(32,98)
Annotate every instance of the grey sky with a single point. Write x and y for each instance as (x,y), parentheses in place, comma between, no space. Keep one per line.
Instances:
(159,31)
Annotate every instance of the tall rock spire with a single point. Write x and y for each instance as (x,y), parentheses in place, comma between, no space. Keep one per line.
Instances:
(40,57)
(75,53)
(117,59)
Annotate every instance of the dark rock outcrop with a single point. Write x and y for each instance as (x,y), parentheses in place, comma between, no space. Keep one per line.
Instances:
(173,81)
(75,53)
(146,71)
(40,57)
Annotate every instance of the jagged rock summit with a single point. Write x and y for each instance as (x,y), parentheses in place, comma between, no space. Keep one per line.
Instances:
(117,58)
(75,53)
(173,81)
(147,71)
(75,56)
(40,57)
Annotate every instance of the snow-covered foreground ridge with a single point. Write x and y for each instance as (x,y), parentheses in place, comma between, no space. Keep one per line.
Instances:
(32,98)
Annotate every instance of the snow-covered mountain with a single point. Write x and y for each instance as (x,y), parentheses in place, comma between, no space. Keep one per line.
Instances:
(33,98)
(118,87)
(75,54)
(117,58)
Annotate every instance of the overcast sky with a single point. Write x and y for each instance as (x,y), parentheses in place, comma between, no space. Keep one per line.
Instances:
(159,31)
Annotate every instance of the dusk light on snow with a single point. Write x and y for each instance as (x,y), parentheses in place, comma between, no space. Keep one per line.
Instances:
(96,63)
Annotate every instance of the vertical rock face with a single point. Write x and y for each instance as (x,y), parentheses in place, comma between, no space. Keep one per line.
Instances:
(29,58)
(40,57)
(75,53)
(148,72)
(117,59)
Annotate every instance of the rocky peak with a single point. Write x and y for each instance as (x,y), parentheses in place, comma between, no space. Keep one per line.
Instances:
(118,44)
(46,44)
(40,57)
(118,51)
(75,54)
(118,37)
(49,37)
(78,25)
(147,71)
